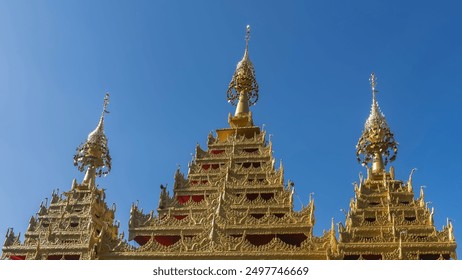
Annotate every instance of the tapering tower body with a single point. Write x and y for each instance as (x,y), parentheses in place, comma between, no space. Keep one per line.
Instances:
(76,224)
(385,220)
(233,203)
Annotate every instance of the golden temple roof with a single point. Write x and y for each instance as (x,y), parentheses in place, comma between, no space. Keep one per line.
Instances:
(234,204)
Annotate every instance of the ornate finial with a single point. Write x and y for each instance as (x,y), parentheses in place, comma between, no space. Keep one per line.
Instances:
(247,37)
(373,82)
(243,88)
(105,104)
(377,143)
(94,153)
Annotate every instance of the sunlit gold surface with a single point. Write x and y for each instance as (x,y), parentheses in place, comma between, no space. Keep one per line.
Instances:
(384,220)
(235,204)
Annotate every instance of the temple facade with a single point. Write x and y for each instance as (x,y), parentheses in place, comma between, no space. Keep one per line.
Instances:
(234,203)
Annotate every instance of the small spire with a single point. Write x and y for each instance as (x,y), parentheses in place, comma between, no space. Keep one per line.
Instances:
(243,88)
(247,39)
(377,143)
(94,153)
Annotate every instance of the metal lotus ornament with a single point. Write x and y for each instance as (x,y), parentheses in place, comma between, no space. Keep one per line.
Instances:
(94,153)
(377,142)
(243,81)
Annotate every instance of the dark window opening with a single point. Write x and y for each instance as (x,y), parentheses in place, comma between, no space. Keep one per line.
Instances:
(266,196)
(246,164)
(429,256)
(257,216)
(252,196)
(372,257)
(410,219)
(293,239)
(371,219)
(259,239)
(74,224)
(71,257)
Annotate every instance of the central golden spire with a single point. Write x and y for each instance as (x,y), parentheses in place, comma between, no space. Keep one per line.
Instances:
(243,87)
(377,143)
(94,153)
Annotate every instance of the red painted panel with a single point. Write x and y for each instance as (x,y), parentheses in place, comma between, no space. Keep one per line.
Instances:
(167,240)
(182,199)
(197,198)
(180,217)
(141,240)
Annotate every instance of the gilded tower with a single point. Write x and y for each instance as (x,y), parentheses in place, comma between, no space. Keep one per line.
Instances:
(76,224)
(385,220)
(233,203)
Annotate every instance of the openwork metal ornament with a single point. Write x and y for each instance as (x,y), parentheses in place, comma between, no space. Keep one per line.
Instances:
(377,140)
(243,80)
(94,152)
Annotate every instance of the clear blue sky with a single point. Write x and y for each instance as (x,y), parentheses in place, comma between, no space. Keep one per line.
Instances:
(167,65)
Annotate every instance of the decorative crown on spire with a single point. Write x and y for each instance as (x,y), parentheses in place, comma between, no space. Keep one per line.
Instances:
(377,142)
(243,86)
(94,152)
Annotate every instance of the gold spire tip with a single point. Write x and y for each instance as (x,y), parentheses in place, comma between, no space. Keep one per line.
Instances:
(373,81)
(376,144)
(243,88)
(247,37)
(94,153)
(106,103)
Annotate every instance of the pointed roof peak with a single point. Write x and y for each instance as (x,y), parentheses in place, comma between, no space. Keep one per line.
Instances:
(377,143)
(94,153)
(247,39)
(243,88)
(376,115)
(98,132)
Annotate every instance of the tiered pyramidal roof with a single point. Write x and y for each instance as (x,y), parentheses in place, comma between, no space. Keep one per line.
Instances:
(234,202)
(385,220)
(77,224)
